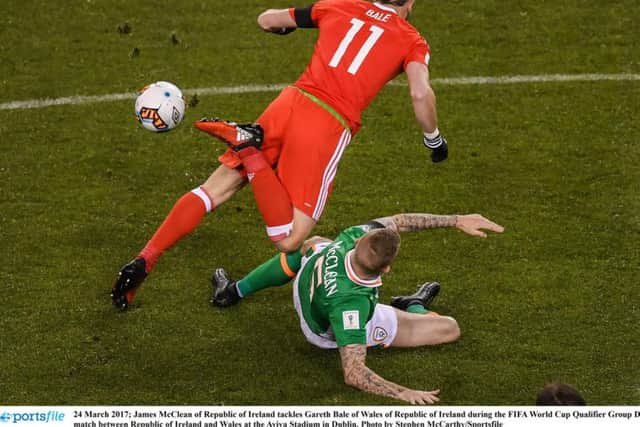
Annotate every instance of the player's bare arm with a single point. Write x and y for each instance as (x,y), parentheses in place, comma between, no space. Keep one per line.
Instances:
(472,224)
(276,21)
(358,375)
(424,106)
(423,97)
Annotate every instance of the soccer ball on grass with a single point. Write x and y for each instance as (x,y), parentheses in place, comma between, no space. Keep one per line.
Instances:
(160,106)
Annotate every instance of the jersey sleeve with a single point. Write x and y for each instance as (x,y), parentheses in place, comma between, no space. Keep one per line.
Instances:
(322,7)
(351,234)
(348,320)
(419,52)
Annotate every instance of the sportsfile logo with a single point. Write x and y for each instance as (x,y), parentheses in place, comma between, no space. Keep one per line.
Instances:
(31,417)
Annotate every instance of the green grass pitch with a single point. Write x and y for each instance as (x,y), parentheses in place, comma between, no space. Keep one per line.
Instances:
(82,188)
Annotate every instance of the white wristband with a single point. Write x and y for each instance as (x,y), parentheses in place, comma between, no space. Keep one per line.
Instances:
(432,135)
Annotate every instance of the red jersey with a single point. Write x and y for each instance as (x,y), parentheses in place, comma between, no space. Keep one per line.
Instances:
(361,47)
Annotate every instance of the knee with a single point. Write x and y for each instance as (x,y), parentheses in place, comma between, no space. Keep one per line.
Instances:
(289,244)
(301,228)
(451,330)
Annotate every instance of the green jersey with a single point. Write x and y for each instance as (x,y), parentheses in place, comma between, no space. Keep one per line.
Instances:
(334,301)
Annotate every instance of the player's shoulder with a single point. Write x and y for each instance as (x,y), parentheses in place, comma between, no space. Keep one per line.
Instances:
(408,28)
(343,7)
(338,4)
(345,3)
(414,39)
(355,231)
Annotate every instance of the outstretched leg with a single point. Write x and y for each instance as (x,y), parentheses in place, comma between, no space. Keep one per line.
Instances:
(271,196)
(184,217)
(277,271)
(415,330)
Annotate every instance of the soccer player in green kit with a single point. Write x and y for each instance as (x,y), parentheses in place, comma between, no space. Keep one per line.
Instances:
(336,297)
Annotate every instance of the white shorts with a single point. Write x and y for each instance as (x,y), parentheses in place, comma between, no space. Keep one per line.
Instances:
(381,328)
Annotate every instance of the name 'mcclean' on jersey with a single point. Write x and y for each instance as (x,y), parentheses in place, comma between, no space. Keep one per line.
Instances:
(334,301)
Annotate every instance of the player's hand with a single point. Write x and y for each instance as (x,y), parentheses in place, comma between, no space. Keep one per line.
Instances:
(419,397)
(473,224)
(438,146)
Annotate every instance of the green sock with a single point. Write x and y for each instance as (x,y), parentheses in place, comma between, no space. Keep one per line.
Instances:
(277,271)
(417,308)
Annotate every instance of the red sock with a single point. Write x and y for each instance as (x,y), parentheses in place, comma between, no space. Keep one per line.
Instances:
(184,217)
(271,197)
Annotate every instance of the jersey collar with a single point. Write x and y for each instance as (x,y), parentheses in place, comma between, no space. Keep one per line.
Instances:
(387,8)
(351,274)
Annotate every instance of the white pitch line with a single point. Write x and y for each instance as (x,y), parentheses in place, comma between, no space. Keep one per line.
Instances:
(451,81)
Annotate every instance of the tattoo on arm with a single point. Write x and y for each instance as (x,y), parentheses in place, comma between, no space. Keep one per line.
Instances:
(358,375)
(422,221)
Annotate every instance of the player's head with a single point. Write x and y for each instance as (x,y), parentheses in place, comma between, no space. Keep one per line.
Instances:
(404,7)
(559,394)
(376,250)
(395,2)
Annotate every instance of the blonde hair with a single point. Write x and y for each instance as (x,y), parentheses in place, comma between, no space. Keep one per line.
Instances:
(376,250)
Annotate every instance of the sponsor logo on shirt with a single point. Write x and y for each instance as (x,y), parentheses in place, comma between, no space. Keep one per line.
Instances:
(351,319)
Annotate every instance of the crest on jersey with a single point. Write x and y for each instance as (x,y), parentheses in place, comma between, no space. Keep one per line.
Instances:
(380,334)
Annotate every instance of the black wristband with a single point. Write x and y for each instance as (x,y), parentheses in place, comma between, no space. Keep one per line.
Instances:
(303,17)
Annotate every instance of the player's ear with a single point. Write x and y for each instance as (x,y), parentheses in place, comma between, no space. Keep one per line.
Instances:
(386,269)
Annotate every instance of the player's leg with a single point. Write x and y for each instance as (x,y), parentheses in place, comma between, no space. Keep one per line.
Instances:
(276,271)
(417,324)
(184,217)
(281,268)
(415,330)
(418,302)
(256,148)
(189,211)
(314,142)
(301,227)
(308,159)
(410,323)
(391,327)
(306,142)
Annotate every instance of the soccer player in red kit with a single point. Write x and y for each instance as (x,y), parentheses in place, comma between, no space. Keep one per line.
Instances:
(303,133)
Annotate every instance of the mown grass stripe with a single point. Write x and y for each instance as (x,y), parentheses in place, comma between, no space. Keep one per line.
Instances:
(452,81)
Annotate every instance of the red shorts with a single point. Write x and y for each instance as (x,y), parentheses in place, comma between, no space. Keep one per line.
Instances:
(304,142)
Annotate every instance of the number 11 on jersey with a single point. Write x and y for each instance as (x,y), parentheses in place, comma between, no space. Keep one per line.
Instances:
(356,26)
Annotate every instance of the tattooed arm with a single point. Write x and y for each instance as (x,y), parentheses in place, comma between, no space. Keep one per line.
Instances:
(471,224)
(358,375)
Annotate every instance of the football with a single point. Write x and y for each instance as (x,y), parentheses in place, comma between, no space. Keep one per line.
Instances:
(160,106)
